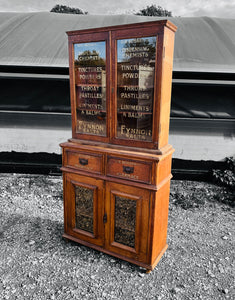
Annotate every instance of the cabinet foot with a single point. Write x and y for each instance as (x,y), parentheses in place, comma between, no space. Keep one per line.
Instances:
(148,271)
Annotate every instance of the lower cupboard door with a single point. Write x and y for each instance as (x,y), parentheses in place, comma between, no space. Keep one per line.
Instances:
(126,230)
(83,205)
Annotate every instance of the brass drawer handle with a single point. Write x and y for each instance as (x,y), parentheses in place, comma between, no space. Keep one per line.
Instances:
(83,161)
(128,170)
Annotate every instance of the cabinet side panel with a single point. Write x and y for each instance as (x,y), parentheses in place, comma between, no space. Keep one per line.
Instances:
(163,169)
(65,203)
(167,65)
(72,89)
(160,220)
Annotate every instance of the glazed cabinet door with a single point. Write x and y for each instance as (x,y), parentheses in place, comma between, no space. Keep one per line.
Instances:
(135,72)
(89,74)
(83,208)
(126,230)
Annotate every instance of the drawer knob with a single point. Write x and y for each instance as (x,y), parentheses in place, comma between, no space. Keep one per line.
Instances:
(83,161)
(128,170)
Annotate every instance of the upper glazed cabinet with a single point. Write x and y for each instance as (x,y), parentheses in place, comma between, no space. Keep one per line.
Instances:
(120,84)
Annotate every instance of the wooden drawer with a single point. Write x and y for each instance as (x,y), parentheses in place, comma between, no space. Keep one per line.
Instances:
(89,162)
(129,169)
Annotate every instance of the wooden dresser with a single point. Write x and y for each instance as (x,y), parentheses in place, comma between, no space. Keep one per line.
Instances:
(117,165)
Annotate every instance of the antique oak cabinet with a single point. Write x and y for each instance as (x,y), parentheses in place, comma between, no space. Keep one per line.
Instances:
(117,165)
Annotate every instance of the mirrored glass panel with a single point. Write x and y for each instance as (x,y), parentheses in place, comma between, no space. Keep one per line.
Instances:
(135,87)
(90,83)
(84,208)
(125,216)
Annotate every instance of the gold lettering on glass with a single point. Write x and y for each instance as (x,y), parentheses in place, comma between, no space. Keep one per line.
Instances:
(90,82)
(135,87)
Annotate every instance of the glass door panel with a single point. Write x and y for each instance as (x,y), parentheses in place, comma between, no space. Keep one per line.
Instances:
(90,85)
(135,87)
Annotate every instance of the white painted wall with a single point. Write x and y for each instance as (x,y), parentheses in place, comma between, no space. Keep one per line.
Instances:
(33,140)
(191,139)
(200,147)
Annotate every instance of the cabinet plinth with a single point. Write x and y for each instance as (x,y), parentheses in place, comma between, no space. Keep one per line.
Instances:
(117,165)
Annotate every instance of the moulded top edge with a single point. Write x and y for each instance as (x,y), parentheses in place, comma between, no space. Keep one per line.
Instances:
(120,150)
(150,24)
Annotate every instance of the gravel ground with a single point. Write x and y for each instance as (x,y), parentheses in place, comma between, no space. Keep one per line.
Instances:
(36,263)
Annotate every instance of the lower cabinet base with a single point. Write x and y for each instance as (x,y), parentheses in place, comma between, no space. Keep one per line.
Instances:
(148,267)
(116,201)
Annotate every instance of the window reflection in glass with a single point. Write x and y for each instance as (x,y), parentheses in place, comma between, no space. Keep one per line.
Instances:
(90,83)
(135,87)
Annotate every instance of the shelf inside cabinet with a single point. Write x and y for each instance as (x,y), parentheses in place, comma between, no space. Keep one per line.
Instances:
(98,110)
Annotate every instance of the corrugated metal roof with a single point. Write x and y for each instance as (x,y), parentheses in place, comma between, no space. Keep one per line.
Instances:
(39,39)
